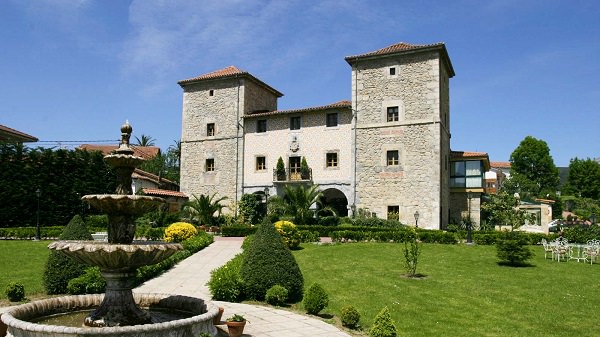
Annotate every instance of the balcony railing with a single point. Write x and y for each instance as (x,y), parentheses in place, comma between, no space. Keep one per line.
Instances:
(292,175)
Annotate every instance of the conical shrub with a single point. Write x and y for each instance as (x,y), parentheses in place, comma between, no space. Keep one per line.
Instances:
(268,262)
(383,325)
(60,269)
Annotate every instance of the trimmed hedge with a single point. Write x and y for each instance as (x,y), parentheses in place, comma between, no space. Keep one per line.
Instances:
(238,231)
(396,235)
(269,262)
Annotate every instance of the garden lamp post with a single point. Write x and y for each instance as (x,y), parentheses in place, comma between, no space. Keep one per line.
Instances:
(469,227)
(38,193)
(416,219)
(266,200)
(593,218)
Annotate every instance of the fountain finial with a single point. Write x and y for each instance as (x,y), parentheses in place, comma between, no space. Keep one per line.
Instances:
(124,147)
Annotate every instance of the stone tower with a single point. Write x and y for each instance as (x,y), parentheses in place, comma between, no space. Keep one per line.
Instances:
(400,100)
(212,142)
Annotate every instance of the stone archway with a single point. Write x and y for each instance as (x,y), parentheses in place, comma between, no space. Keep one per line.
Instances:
(335,199)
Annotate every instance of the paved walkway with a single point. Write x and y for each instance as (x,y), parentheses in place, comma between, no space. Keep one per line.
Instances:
(190,276)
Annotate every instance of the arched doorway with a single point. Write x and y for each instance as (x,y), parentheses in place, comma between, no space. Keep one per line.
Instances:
(335,199)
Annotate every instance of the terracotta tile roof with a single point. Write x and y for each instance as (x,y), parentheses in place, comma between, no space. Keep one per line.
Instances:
(403,47)
(337,105)
(231,71)
(500,164)
(141,174)
(10,134)
(165,193)
(467,154)
(146,152)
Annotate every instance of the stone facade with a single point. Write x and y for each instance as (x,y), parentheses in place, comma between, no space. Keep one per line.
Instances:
(416,85)
(412,79)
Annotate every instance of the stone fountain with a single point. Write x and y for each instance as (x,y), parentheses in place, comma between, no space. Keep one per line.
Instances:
(117,312)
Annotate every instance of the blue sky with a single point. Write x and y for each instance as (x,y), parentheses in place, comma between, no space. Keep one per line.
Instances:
(75,70)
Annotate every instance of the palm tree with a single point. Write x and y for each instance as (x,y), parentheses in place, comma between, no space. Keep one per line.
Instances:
(297,202)
(145,140)
(174,151)
(203,208)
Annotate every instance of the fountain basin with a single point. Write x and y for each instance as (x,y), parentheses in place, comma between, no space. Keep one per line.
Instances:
(116,257)
(123,204)
(202,312)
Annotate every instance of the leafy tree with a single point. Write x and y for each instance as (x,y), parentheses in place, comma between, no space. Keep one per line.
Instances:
(203,208)
(584,178)
(297,202)
(532,168)
(501,210)
(249,208)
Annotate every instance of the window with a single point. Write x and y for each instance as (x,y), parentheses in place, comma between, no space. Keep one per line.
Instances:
(211,92)
(466,174)
(393,158)
(393,212)
(392,114)
(295,123)
(332,119)
(392,71)
(210,165)
(294,164)
(261,163)
(261,125)
(332,160)
(210,129)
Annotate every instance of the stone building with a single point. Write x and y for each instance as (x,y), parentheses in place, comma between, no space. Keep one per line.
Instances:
(386,152)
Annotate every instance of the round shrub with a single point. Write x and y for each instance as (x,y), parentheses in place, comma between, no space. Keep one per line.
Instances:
(383,325)
(512,249)
(290,234)
(60,269)
(350,317)
(225,282)
(179,231)
(269,262)
(315,299)
(91,282)
(15,292)
(276,295)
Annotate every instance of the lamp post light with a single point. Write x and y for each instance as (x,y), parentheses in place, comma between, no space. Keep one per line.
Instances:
(593,218)
(38,193)
(266,190)
(416,219)
(469,225)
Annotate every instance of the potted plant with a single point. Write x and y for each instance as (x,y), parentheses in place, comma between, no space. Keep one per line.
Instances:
(304,170)
(280,170)
(235,325)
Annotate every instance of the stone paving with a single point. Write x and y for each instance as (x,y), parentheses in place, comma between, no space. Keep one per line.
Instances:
(190,276)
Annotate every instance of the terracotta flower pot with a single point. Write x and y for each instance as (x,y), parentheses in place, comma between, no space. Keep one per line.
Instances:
(217,319)
(236,329)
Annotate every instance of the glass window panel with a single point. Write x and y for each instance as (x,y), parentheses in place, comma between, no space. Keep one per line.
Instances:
(473,168)
(474,182)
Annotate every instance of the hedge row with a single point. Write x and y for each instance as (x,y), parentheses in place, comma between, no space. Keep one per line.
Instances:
(397,235)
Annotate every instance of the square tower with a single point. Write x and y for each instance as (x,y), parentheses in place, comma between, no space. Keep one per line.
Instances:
(400,100)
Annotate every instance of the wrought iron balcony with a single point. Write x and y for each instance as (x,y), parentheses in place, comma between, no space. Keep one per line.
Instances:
(292,175)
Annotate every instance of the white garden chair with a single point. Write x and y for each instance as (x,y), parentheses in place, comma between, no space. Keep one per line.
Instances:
(547,249)
(592,250)
(561,248)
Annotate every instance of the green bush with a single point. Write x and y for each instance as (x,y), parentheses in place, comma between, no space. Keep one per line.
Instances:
(247,241)
(225,282)
(15,292)
(238,231)
(276,295)
(350,316)
(154,233)
(269,262)
(308,236)
(512,249)
(60,269)
(315,299)
(329,221)
(383,325)
(91,282)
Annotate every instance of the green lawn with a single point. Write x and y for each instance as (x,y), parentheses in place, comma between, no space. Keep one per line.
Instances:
(465,292)
(23,261)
